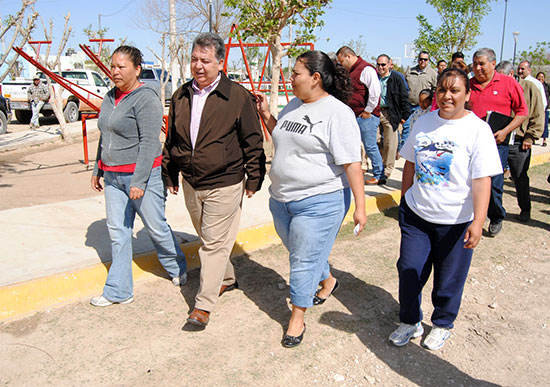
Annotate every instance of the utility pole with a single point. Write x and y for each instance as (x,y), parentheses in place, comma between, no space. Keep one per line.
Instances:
(210,16)
(174,70)
(516,33)
(503,28)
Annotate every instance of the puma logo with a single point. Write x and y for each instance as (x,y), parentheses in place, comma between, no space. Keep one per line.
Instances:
(308,120)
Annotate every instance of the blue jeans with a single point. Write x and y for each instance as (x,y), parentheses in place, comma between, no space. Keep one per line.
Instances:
(425,245)
(36,106)
(496,212)
(308,228)
(406,129)
(369,131)
(121,212)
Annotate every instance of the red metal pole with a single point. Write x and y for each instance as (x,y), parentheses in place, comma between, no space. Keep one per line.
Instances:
(85,116)
(39,42)
(88,51)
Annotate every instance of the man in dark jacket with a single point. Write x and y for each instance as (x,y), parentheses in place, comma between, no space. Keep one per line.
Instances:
(214,139)
(394,109)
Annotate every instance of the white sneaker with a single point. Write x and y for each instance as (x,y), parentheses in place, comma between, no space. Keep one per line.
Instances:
(102,301)
(436,338)
(405,332)
(181,280)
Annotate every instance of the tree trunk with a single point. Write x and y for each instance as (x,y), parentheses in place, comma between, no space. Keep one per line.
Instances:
(276,55)
(57,107)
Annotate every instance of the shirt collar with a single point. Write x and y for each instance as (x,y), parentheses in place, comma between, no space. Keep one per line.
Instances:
(208,88)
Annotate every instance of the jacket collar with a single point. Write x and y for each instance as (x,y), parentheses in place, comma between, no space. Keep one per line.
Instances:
(223,89)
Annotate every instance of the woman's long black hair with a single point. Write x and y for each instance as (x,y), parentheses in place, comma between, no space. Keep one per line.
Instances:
(334,77)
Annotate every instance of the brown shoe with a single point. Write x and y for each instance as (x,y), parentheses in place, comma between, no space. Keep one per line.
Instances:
(372,181)
(228,288)
(375,181)
(199,317)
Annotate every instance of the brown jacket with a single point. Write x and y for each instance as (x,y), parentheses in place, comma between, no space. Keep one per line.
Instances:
(531,129)
(229,143)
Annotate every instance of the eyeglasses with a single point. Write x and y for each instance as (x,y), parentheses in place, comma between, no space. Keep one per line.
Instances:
(382,64)
(422,59)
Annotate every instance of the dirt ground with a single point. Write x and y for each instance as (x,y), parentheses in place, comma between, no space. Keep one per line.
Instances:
(501,336)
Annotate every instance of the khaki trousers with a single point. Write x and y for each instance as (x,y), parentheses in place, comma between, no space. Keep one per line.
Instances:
(215,214)
(389,146)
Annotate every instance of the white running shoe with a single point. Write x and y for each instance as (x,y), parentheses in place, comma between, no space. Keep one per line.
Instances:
(181,280)
(102,301)
(436,338)
(405,332)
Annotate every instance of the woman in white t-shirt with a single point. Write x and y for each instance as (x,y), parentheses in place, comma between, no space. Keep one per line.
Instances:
(317,159)
(451,155)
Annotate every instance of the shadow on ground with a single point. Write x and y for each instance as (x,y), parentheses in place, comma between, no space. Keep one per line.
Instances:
(373,316)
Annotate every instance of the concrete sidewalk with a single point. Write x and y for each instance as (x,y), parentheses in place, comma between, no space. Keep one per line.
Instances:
(59,252)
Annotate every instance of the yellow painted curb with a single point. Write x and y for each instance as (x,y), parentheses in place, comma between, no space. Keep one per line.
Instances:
(540,158)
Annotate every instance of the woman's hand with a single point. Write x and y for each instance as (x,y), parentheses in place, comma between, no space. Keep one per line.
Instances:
(473,235)
(261,104)
(359,218)
(136,193)
(96,185)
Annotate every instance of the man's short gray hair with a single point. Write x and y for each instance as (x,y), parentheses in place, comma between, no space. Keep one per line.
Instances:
(504,67)
(208,39)
(489,53)
(528,63)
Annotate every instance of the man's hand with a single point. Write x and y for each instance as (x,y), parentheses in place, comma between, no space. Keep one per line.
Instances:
(96,185)
(249,193)
(500,136)
(173,190)
(526,145)
(365,114)
(136,193)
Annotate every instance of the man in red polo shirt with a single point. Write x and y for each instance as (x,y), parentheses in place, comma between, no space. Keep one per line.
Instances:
(491,91)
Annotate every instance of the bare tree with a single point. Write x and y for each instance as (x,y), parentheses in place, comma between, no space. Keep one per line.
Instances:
(56,101)
(15,31)
(163,73)
(198,13)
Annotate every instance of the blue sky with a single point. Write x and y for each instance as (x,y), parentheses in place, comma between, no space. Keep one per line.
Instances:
(386,26)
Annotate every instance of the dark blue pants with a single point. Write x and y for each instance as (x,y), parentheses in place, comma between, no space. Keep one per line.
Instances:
(425,245)
(496,212)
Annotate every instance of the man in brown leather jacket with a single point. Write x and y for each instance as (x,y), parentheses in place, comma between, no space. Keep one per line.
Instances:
(214,139)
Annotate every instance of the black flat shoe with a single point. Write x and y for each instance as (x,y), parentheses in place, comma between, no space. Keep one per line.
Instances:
(293,341)
(318,300)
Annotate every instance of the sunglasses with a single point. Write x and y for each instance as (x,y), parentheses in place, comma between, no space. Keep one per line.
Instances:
(422,59)
(382,64)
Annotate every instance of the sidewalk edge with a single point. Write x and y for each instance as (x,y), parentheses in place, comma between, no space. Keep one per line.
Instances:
(28,297)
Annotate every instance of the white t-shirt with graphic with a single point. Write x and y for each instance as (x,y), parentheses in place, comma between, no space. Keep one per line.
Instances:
(447,155)
(312,141)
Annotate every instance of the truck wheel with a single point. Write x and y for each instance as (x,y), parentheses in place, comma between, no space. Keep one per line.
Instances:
(23,116)
(3,123)
(71,112)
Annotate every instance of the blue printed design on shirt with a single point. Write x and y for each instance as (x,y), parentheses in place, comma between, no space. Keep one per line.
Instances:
(433,161)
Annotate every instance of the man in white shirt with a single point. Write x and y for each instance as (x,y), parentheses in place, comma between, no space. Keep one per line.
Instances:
(524,71)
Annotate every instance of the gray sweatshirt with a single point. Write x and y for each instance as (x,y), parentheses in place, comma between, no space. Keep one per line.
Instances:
(130,132)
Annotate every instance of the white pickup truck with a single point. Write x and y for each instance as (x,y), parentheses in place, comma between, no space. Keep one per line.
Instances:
(89,81)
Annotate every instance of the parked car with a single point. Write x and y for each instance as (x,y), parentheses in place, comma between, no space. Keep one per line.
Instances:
(5,114)
(89,80)
(152,76)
